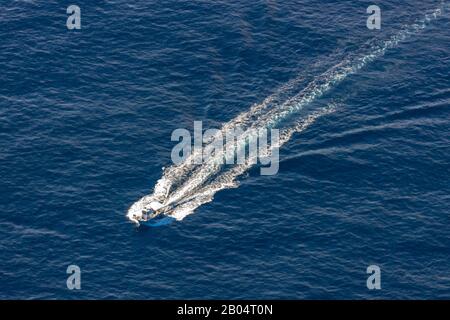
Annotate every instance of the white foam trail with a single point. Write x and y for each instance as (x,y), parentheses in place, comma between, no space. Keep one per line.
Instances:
(227,179)
(195,184)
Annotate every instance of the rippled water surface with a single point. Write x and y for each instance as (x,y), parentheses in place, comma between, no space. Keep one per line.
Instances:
(85,123)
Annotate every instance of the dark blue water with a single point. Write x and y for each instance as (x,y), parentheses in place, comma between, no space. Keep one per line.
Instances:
(85,124)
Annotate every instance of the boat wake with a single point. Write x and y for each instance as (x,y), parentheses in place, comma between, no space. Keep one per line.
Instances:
(186,186)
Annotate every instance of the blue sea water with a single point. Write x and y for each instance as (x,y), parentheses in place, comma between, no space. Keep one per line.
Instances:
(85,123)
